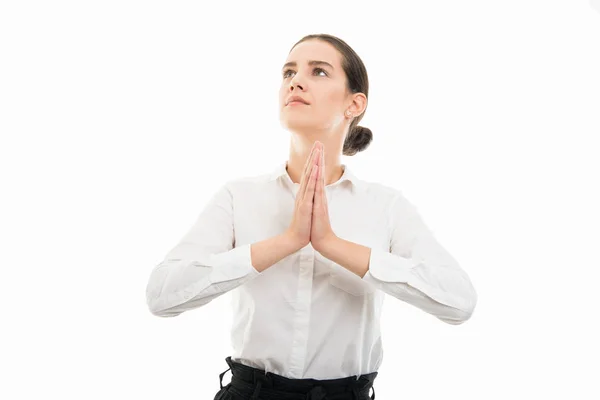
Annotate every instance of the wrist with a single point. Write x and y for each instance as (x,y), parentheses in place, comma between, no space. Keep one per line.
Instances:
(326,243)
(292,242)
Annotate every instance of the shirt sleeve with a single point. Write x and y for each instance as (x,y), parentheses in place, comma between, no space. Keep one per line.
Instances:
(418,270)
(203,265)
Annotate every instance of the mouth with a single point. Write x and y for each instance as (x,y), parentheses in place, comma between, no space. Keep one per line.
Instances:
(296,103)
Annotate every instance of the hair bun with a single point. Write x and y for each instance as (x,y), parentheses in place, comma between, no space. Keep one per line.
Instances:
(357,140)
(363,130)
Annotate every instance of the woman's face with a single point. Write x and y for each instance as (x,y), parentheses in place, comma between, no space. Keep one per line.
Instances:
(323,86)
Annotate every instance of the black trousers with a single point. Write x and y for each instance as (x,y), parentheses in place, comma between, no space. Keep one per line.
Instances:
(249,383)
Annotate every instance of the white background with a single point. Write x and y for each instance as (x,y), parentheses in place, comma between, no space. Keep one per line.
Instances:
(120,118)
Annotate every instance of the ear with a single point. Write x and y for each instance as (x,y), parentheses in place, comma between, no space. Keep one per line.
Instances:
(359,104)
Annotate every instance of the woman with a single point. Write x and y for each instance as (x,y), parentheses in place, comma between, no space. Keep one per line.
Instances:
(309,250)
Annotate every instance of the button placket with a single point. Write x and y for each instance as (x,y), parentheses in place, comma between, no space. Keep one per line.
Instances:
(302,314)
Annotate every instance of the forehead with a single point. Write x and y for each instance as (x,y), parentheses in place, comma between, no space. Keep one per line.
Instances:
(315,50)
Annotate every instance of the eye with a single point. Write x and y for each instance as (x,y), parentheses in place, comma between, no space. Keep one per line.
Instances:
(285,73)
(321,69)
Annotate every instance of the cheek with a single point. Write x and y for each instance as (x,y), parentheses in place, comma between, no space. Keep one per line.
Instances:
(335,96)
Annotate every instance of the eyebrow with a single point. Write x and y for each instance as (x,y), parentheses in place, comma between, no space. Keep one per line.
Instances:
(310,62)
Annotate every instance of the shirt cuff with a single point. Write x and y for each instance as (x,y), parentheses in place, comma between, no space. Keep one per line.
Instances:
(371,279)
(388,267)
(232,264)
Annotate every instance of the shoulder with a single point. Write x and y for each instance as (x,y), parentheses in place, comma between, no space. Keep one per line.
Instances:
(394,202)
(384,192)
(248,183)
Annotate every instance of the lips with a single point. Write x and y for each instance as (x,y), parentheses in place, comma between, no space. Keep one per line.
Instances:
(296,99)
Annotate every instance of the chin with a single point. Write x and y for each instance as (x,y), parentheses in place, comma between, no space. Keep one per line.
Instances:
(298,124)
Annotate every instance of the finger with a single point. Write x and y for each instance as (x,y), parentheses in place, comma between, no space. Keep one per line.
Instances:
(307,163)
(311,157)
(306,177)
(318,187)
(306,171)
(323,194)
(310,188)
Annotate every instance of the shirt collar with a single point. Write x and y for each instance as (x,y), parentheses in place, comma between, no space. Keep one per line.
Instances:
(281,172)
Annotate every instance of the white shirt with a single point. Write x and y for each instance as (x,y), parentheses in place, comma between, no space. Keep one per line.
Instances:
(306,316)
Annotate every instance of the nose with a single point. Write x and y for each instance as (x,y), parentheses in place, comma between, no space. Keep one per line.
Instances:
(293,84)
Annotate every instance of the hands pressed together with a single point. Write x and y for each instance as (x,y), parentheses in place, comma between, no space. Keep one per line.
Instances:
(310,222)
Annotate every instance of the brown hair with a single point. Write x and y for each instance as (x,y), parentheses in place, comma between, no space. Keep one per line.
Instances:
(358,137)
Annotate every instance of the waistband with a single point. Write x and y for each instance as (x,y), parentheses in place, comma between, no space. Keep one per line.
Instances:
(249,378)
